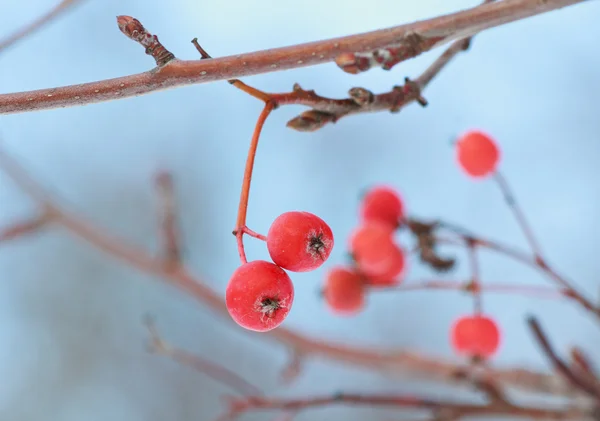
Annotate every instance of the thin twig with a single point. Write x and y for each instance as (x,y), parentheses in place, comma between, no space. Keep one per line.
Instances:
(509,198)
(247,180)
(26,227)
(447,28)
(489,288)
(560,366)
(523,257)
(171,247)
(215,371)
(32,27)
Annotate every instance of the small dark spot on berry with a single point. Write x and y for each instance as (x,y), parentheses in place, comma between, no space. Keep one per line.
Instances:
(269,306)
(316,245)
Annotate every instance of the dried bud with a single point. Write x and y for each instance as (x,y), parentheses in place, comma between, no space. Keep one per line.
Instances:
(361,96)
(353,63)
(310,121)
(133,29)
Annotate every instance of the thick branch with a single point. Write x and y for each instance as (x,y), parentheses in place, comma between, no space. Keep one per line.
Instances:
(176,73)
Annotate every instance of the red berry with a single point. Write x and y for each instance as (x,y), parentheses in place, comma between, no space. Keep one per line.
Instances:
(344,291)
(477,153)
(382,204)
(372,247)
(393,275)
(299,241)
(475,336)
(259,295)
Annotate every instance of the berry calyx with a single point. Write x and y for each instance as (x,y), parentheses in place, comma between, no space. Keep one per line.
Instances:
(393,275)
(475,336)
(383,204)
(372,247)
(259,295)
(477,153)
(299,241)
(344,291)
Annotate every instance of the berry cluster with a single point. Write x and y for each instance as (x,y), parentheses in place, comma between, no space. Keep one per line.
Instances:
(260,294)
(378,260)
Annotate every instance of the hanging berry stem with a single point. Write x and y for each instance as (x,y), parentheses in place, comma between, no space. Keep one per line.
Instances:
(240,226)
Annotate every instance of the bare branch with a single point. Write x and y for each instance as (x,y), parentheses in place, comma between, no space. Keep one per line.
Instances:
(453,408)
(26,227)
(176,73)
(560,366)
(49,16)
(171,247)
(202,365)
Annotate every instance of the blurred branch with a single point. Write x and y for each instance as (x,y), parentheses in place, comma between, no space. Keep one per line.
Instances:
(25,227)
(443,409)
(409,40)
(171,247)
(466,237)
(202,365)
(49,16)
(580,382)
(400,362)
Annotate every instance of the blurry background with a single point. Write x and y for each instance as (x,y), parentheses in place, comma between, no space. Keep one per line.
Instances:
(72,341)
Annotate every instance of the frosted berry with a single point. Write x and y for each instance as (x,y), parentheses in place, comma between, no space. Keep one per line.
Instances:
(475,336)
(372,247)
(477,153)
(344,291)
(394,273)
(382,204)
(259,295)
(299,241)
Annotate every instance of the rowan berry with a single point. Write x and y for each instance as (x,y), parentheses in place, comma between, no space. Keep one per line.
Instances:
(477,153)
(299,241)
(382,204)
(259,295)
(372,247)
(393,275)
(475,336)
(344,291)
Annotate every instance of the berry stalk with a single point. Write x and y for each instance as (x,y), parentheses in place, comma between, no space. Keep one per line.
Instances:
(245,194)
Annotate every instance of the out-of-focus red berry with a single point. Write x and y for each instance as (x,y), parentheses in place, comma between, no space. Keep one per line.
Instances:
(383,204)
(393,276)
(475,336)
(372,247)
(344,291)
(477,153)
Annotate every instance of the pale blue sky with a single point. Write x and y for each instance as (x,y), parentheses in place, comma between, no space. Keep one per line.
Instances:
(70,319)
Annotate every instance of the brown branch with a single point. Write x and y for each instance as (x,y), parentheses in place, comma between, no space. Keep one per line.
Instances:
(216,372)
(171,247)
(176,73)
(488,288)
(580,382)
(530,259)
(26,227)
(48,17)
(443,408)
(399,362)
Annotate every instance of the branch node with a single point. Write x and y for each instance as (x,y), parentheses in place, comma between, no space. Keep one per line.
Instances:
(361,96)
